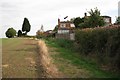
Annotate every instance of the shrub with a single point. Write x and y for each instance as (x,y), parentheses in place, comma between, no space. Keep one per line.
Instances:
(19,33)
(10,33)
(101,42)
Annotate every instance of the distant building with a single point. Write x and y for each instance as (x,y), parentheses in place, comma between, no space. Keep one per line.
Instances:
(65,30)
(107,20)
(65,24)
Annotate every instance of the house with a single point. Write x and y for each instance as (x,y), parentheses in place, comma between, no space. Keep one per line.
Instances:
(107,20)
(65,30)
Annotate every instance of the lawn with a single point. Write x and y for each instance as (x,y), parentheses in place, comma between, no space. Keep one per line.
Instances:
(20,59)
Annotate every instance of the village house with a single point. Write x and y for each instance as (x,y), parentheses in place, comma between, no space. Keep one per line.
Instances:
(65,30)
(107,20)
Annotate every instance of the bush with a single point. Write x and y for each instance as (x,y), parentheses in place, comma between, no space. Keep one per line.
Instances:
(101,42)
(19,33)
(10,33)
(64,43)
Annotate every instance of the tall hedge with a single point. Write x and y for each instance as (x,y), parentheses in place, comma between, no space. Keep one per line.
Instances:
(102,42)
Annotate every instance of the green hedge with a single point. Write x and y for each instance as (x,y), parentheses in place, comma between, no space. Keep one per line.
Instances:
(102,42)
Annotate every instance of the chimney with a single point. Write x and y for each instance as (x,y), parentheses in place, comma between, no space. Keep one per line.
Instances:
(58,22)
(85,14)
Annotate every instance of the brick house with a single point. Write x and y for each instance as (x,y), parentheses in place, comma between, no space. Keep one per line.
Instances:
(65,30)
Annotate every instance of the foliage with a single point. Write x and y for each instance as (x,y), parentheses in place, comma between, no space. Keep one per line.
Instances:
(118,20)
(26,26)
(10,33)
(77,21)
(19,33)
(65,53)
(93,20)
(64,43)
(56,28)
(39,34)
(102,42)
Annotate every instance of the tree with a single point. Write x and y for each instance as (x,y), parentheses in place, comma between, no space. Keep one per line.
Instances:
(26,26)
(95,19)
(118,20)
(77,21)
(19,33)
(56,28)
(10,33)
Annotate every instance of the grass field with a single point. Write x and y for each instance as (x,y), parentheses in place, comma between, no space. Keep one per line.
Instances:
(20,59)
(74,65)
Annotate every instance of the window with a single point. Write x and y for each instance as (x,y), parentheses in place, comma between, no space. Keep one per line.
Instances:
(62,25)
(63,31)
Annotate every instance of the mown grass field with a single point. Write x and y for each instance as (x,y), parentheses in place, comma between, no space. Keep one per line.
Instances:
(20,59)
(73,65)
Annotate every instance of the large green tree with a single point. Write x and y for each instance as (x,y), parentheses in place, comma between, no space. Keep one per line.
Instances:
(77,21)
(10,33)
(95,18)
(26,26)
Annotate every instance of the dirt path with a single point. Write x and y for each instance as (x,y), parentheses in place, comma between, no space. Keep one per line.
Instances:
(20,59)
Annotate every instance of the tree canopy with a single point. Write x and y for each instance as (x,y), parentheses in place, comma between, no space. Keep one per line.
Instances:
(77,21)
(94,20)
(10,33)
(19,33)
(26,26)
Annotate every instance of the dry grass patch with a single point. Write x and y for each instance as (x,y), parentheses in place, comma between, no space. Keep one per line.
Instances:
(5,65)
(46,60)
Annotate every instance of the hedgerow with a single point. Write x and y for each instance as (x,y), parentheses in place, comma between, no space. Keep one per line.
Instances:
(104,43)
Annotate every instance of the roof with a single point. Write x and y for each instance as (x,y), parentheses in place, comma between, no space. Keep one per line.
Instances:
(106,16)
(66,22)
(101,16)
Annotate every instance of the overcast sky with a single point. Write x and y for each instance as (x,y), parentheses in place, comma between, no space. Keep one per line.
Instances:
(47,12)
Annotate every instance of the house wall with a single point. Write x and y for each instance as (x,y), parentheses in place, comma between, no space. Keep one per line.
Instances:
(62,25)
(63,31)
(107,20)
(66,36)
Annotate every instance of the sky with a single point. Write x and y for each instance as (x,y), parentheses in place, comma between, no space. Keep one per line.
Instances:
(47,12)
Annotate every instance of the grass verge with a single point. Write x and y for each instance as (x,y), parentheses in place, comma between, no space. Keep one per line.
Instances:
(74,65)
